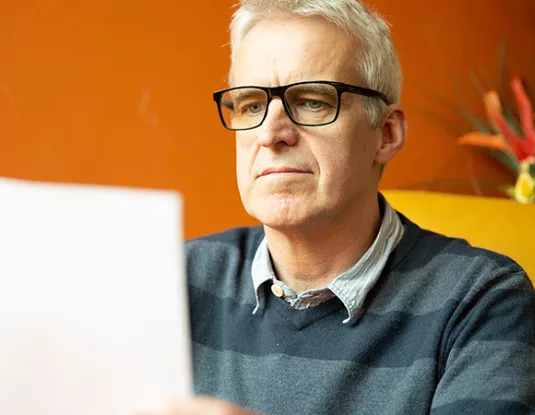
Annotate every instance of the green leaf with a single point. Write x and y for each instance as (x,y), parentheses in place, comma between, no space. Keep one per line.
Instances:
(480,124)
(507,159)
(477,83)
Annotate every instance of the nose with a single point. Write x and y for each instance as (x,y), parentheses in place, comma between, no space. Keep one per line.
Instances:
(277,127)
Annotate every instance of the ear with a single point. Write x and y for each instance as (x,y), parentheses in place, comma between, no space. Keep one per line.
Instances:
(393,134)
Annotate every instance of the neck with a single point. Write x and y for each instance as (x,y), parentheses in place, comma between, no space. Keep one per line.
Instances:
(310,257)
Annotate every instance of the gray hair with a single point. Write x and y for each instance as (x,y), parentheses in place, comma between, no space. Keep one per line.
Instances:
(379,68)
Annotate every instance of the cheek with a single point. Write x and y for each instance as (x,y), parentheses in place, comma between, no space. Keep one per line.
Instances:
(346,159)
(244,162)
(241,170)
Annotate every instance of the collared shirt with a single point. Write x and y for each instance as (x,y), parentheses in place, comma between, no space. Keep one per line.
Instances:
(352,286)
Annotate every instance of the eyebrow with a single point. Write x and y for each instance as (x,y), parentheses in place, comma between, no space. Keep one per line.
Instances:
(316,88)
(246,93)
(227,103)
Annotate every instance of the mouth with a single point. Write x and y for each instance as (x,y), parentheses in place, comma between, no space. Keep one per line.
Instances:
(282,170)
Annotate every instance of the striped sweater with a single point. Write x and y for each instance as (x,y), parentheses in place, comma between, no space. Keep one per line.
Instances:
(447,329)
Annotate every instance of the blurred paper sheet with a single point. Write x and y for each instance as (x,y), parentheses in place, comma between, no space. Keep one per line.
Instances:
(93,301)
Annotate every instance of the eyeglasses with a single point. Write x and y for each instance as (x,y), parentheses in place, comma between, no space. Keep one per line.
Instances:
(311,103)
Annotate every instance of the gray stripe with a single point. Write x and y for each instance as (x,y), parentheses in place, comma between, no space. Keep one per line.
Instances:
(435,281)
(352,388)
(503,364)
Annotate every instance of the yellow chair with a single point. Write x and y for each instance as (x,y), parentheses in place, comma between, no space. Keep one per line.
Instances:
(501,225)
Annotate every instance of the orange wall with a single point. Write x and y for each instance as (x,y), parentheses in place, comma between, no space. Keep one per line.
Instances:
(117,92)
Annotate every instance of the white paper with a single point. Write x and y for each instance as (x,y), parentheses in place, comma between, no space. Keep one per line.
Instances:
(93,300)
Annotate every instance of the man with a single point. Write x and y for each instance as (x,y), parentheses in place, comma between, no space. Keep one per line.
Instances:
(339,304)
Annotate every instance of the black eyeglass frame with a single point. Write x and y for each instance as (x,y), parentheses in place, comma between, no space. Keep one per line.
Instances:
(279,91)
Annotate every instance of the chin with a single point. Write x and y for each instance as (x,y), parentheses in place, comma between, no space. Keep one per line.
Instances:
(282,215)
(282,224)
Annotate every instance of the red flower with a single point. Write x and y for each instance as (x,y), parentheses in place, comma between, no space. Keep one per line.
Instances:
(522,147)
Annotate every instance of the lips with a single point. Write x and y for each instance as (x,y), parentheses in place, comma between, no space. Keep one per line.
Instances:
(284,169)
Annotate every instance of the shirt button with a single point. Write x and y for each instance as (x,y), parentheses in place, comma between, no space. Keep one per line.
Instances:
(277,290)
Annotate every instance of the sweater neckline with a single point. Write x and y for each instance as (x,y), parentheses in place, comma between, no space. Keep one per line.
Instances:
(299,319)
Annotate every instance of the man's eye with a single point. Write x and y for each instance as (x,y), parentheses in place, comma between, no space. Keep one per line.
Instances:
(254,108)
(314,104)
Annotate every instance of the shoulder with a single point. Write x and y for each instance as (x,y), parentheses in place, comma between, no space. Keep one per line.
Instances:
(431,272)
(461,263)
(428,250)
